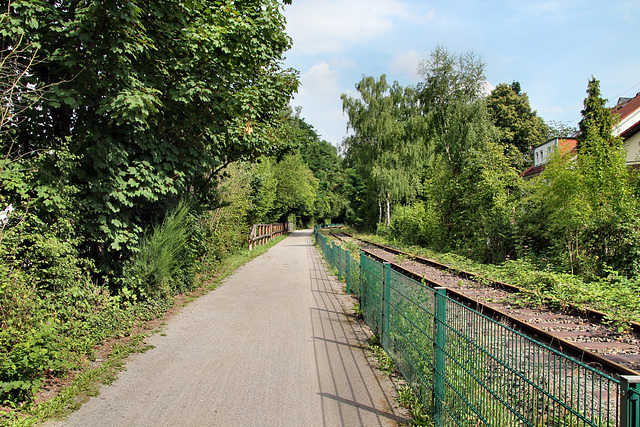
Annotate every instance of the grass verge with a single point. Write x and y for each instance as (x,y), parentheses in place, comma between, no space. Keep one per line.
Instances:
(85,385)
(406,396)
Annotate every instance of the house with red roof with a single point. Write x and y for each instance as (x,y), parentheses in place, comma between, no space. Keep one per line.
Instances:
(628,112)
(628,127)
(543,152)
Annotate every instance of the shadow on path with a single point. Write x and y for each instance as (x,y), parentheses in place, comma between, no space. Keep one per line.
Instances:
(352,392)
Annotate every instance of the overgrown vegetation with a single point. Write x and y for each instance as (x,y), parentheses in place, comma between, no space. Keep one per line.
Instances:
(419,414)
(138,143)
(575,228)
(406,396)
(614,294)
(385,362)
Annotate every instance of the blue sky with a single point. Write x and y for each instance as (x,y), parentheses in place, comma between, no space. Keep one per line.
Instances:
(551,47)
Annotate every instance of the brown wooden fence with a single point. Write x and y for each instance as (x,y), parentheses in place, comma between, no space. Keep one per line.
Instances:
(262,233)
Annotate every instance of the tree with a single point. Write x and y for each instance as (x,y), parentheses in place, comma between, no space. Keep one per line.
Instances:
(450,95)
(602,162)
(519,126)
(388,141)
(553,214)
(560,130)
(154,98)
(263,191)
(469,184)
(582,212)
(601,157)
(322,159)
(296,191)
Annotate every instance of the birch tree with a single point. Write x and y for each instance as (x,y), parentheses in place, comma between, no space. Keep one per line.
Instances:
(470,185)
(387,144)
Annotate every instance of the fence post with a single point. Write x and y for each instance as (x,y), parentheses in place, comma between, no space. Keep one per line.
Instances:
(252,235)
(348,276)
(339,263)
(363,284)
(386,304)
(440,325)
(630,401)
(333,254)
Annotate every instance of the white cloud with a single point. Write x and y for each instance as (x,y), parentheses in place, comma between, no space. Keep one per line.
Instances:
(487,88)
(320,81)
(319,94)
(407,64)
(323,26)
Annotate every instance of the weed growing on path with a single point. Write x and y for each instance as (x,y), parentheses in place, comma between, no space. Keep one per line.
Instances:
(357,310)
(419,415)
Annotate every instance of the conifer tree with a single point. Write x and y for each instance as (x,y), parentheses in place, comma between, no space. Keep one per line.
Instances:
(601,158)
(519,126)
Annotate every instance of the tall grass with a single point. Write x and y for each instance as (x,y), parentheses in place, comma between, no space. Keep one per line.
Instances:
(165,264)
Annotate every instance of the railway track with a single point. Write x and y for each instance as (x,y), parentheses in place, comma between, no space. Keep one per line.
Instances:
(573,330)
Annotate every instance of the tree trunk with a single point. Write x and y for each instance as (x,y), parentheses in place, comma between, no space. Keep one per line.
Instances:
(388,206)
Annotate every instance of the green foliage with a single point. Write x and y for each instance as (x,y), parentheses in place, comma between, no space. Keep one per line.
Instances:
(225,229)
(519,126)
(602,160)
(413,225)
(263,191)
(48,333)
(306,182)
(165,263)
(419,414)
(581,214)
(322,159)
(297,188)
(355,190)
(470,186)
(153,97)
(557,129)
(357,310)
(385,362)
(613,294)
(283,188)
(387,147)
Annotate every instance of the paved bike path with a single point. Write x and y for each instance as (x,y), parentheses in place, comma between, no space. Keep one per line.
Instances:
(272,346)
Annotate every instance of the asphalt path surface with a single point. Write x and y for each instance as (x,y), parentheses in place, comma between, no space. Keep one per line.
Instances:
(274,345)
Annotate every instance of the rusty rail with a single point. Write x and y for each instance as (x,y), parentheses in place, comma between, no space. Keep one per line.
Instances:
(262,233)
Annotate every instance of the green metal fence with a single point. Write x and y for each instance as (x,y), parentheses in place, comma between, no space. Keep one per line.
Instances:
(468,369)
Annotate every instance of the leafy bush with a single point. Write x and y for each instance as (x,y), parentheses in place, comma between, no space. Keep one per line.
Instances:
(415,224)
(47,333)
(225,229)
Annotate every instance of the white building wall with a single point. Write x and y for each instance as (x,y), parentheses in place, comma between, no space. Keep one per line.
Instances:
(632,147)
(632,144)
(542,153)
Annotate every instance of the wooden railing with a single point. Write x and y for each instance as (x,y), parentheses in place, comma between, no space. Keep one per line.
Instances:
(262,233)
